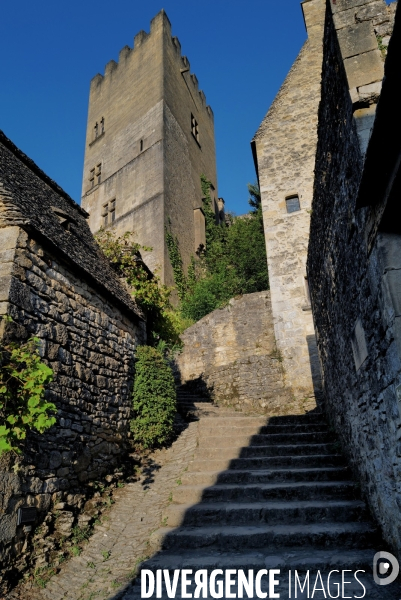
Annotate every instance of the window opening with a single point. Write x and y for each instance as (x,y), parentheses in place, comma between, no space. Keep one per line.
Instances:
(92,178)
(99,173)
(109,213)
(194,128)
(102,125)
(292,203)
(96,128)
(141,145)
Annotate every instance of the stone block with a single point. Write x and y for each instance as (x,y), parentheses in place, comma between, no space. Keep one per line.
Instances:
(389,246)
(9,238)
(357,39)
(358,343)
(393,281)
(370,93)
(364,68)
(372,10)
(340,5)
(8,527)
(5,284)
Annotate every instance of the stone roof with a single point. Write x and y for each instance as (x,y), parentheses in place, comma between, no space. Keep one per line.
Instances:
(30,199)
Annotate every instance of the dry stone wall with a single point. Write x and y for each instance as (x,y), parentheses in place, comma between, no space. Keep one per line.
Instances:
(89,344)
(231,356)
(354,314)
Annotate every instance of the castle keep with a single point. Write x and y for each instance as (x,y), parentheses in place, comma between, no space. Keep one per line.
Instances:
(150,135)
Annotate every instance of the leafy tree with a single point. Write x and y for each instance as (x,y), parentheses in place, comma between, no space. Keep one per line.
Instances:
(23,407)
(233,262)
(255,200)
(154,399)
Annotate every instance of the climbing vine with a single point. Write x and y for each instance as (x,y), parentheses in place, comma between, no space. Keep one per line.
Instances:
(124,254)
(176,262)
(154,399)
(23,407)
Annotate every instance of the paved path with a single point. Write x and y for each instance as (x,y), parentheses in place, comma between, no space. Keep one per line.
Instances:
(108,561)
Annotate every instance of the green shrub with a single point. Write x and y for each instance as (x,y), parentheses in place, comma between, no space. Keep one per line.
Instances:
(154,399)
(233,262)
(23,406)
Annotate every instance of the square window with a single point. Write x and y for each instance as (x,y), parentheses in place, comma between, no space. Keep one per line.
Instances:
(292,204)
(109,212)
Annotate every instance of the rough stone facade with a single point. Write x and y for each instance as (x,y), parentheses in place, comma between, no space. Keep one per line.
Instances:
(231,356)
(56,286)
(284,150)
(150,135)
(354,273)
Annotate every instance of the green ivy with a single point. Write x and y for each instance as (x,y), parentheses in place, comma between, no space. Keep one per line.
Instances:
(154,399)
(176,263)
(23,407)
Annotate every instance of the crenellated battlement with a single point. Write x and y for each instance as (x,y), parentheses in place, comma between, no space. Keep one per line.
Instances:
(160,24)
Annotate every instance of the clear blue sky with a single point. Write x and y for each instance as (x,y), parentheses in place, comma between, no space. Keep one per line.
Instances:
(240,50)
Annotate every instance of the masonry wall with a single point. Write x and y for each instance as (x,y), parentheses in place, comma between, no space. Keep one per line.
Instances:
(150,161)
(185,157)
(231,356)
(353,312)
(129,96)
(363,30)
(89,344)
(285,147)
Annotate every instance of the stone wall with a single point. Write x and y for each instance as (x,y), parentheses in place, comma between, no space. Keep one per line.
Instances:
(363,30)
(231,356)
(285,147)
(350,283)
(89,344)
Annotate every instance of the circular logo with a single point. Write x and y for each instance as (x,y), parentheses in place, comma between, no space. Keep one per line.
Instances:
(385,568)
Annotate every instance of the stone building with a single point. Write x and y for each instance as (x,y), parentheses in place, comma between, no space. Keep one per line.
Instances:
(150,135)
(354,265)
(56,285)
(284,149)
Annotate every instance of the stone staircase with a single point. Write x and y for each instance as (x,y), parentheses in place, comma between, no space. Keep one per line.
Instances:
(191,405)
(264,493)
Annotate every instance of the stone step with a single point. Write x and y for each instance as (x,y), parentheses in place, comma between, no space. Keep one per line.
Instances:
(198,398)
(313,417)
(217,441)
(191,401)
(344,535)
(220,428)
(236,513)
(237,476)
(273,450)
(284,462)
(316,490)
(306,558)
(233,420)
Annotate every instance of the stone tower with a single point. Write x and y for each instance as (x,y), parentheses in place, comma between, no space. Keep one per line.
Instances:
(150,135)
